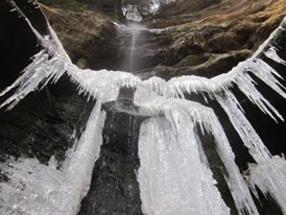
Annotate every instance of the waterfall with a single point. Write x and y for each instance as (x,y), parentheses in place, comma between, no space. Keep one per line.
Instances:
(174,176)
(130,35)
(135,34)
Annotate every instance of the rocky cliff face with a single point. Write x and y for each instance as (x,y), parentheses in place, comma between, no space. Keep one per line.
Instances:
(199,37)
(202,37)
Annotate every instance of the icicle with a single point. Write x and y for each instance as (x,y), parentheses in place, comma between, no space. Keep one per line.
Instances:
(172,178)
(220,83)
(54,68)
(247,133)
(42,69)
(45,69)
(271,39)
(35,188)
(49,65)
(270,177)
(178,110)
(267,74)
(246,86)
(202,153)
(103,83)
(237,185)
(271,53)
(192,84)
(78,170)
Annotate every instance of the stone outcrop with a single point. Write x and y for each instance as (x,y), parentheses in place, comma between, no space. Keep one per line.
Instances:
(191,30)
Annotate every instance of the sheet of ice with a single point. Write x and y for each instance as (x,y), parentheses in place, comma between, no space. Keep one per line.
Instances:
(172,177)
(202,153)
(27,191)
(34,188)
(78,168)
(180,115)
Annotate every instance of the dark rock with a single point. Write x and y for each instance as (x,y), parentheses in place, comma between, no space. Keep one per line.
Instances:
(114,188)
(43,124)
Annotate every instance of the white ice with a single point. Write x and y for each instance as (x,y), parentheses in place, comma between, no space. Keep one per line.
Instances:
(181,116)
(270,177)
(169,158)
(37,189)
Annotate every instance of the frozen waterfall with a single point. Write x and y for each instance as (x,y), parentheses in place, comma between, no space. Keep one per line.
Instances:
(174,176)
(168,185)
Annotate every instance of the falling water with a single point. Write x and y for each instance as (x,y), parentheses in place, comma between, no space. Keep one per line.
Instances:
(135,33)
(130,35)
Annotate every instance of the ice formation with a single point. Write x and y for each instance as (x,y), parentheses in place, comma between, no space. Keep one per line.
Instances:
(135,11)
(174,176)
(35,188)
(131,12)
(268,183)
(168,184)
(243,127)
(25,192)
(166,176)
